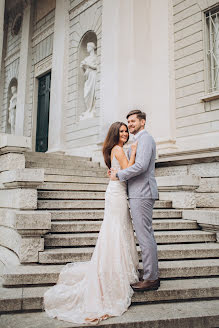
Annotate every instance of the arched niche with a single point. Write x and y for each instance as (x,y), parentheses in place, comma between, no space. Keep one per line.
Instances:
(13,83)
(89,36)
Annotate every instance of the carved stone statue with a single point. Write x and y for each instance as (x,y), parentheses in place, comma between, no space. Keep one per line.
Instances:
(89,66)
(12,109)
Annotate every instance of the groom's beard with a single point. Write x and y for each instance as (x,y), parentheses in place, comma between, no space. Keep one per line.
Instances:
(136,130)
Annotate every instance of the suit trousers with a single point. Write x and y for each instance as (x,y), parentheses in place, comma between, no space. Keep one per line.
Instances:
(142,211)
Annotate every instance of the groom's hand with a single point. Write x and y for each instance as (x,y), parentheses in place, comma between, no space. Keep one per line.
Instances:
(113,175)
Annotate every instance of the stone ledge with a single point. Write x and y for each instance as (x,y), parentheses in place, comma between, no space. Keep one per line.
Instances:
(207,199)
(27,248)
(14,144)
(208,220)
(32,223)
(180,199)
(206,155)
(24,178)
(18,198)
(11,161)
(22,231)
(178,182)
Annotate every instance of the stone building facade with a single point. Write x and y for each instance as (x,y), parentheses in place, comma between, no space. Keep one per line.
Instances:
(69,68)
(160,56)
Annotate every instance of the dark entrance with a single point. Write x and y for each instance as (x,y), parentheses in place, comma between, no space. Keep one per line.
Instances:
(43,113)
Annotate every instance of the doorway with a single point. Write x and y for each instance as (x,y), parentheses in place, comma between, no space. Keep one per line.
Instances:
(43,113)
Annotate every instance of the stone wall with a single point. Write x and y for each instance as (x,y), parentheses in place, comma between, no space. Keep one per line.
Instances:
(21,227)
(42,47)
(206,196)
(195,119)
(84,16)
(11,67)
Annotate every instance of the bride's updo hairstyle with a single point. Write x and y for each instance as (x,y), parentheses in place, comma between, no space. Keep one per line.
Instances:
(112,139)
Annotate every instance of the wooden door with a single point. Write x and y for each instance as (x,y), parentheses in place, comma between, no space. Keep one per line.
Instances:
(43,113)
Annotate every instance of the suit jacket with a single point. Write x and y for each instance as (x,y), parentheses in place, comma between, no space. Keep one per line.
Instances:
(140,176)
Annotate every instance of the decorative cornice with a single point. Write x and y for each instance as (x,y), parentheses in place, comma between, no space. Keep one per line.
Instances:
(12,57)
(77,10)
(38,37)
(43,66)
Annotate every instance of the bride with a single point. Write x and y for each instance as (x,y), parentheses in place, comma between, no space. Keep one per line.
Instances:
(88,292)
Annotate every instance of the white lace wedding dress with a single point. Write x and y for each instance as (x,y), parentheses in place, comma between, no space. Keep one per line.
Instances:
(98,289)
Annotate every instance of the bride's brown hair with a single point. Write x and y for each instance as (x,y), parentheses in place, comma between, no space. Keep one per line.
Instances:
(112,139)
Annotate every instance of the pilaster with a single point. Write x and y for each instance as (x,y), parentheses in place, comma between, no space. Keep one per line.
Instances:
(137,65)
(162,75)
(2,11)
(58,78)
(24,70)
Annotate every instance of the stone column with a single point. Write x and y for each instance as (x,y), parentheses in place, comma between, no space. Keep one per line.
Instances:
(135,72)
(124,60)
(24,70)
(58,78)
(2,11)
(162,91)
(2,40)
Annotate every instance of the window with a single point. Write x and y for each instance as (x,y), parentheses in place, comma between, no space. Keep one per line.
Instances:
(212,24)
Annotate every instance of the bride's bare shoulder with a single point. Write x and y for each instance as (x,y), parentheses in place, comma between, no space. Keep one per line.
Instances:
(117,149)
(118,152)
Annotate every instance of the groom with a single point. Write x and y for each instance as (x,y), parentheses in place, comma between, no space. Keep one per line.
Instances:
(142,192)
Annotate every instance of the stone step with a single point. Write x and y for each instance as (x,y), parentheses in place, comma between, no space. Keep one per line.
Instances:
(165,252)
(48,274)
(61,164)
(31,298)
(74,179)
(94,226)
(162,237)
(99,214)
(86,204)
(38,274)
(72,186)
(44,156)
(96,171)
(181,314)
(71,195)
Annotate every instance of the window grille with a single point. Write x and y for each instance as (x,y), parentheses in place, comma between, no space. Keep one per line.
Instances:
(212,24)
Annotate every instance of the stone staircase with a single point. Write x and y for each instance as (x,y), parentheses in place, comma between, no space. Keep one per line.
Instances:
(73,192)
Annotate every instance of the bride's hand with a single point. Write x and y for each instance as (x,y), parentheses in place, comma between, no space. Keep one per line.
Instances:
(134,147)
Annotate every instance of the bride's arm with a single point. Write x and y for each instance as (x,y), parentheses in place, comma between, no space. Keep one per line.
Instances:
(121,157)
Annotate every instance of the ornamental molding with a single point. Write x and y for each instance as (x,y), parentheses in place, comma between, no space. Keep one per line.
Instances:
(43,66)
(206,4)
(12,57)
(84,5)
(42,35)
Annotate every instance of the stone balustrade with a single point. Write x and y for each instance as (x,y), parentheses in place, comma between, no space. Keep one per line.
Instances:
(21,226)
(191,181)
(180,189)
(207,219)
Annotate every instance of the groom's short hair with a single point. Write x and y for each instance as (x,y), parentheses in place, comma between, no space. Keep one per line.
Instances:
(140,115)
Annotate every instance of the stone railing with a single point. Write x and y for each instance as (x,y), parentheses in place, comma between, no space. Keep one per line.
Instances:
(207,219)
(182,191)
(21,226)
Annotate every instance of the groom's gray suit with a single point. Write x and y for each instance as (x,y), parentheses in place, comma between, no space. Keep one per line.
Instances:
(142,192)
